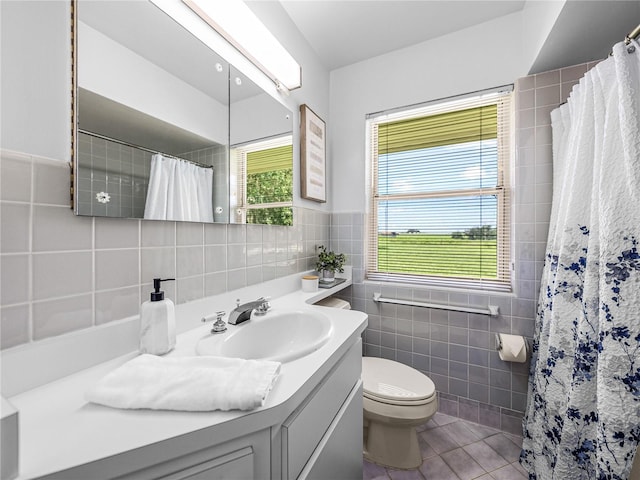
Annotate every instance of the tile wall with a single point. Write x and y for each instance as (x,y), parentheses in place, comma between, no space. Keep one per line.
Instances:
(61,273)
(457,350)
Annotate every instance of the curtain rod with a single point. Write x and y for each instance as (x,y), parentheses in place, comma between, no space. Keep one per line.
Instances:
(126,144)
(632,35)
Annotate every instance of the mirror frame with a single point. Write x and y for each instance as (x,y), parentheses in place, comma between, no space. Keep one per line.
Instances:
(74,102)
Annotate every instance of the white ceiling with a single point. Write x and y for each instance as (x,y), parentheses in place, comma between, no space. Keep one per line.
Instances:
(347,31)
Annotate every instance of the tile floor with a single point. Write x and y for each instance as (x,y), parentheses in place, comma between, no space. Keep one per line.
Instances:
(454,449)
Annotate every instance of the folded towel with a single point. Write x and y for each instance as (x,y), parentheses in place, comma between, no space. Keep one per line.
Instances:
(186,383)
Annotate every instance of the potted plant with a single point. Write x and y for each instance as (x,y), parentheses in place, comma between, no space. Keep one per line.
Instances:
(328,263)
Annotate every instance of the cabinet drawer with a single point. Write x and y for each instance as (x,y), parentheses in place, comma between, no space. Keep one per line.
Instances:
(304,429)
(234,465)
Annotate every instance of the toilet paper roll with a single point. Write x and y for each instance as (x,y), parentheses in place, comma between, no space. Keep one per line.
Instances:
(512,348)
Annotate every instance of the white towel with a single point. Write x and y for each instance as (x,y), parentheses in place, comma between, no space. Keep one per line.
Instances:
(186,383)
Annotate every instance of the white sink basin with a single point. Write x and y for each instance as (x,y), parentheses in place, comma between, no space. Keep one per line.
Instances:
(278,336)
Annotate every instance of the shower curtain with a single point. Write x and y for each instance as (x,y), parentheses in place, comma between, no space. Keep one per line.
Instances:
(583,416)
(179,190)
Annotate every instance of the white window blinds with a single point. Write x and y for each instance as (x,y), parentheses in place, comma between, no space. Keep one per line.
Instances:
(440,193)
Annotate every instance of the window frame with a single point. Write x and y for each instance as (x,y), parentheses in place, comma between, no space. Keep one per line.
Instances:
(503,97)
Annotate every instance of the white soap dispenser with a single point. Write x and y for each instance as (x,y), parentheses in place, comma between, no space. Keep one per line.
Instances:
(157,322)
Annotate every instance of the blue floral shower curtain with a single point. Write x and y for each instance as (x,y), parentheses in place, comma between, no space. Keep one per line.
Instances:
(583,416)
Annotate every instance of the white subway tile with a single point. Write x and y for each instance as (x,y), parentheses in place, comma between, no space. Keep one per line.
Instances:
(157,262)
(189,233)
(14,325)
(15,233)
(15,178)
(51,183)
(215,258)
(116,233)
(189,289)
(57,228)
(157,233)
(61,274)
(116,304)
(55,317)
(14,272)
(116,268)
(189,261)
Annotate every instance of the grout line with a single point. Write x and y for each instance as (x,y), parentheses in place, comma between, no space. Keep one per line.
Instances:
(93,272)
(30,264)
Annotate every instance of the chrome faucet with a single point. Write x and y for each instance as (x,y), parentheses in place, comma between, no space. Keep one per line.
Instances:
(242,313)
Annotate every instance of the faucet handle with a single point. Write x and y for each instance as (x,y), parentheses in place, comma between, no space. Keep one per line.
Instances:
(264,306)
(219,325)
(218,316)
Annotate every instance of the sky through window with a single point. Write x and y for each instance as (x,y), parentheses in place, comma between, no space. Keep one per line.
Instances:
(451,168)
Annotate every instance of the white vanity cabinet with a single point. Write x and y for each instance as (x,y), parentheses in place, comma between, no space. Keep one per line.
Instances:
(310,426)
(315,436)
(322,438)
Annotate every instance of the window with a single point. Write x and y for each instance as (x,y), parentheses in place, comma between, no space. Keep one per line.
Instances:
(440,208)
(263,192)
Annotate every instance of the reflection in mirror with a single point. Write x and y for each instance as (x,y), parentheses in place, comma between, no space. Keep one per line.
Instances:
(154,124)
(261,155)
(152,121)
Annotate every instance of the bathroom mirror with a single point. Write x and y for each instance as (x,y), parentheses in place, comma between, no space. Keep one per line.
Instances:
(261,155)
(153,121)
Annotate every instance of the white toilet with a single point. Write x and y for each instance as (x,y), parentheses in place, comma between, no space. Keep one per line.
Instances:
(397,398)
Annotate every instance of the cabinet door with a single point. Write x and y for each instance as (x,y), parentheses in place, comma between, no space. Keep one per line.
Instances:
(236,465)
(339,454)
(304,429)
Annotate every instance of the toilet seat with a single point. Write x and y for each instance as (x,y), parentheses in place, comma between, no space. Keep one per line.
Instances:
(394,383)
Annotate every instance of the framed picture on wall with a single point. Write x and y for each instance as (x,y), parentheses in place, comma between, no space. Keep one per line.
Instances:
(312,155)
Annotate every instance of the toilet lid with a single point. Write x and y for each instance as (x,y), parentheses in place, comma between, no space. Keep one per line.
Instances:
(393,381)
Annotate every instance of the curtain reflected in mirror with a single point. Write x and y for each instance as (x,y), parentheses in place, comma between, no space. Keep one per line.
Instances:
(115,179)
(179,190)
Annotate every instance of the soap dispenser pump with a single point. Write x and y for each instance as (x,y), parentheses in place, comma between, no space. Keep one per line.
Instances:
(157,322)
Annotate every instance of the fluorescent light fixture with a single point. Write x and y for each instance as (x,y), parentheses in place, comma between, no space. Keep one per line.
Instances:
(239,26)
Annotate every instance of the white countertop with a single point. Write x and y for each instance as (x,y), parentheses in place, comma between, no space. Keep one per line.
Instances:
(60,430)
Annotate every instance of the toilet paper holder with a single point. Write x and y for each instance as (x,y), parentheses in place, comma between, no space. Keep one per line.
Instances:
(527,347)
